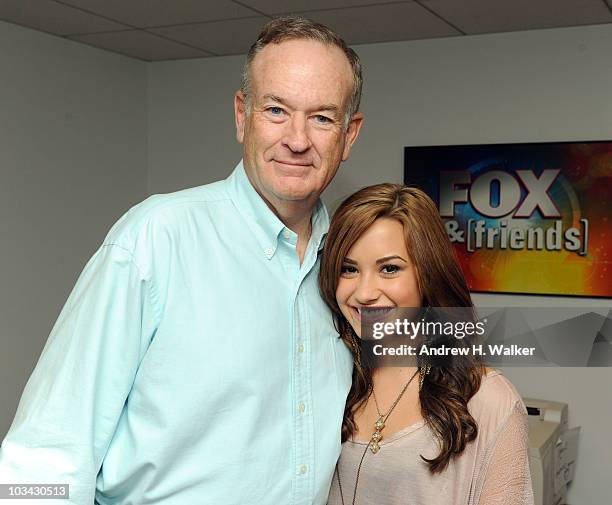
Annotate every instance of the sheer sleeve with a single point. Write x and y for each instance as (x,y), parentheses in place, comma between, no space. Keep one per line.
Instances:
(507,478)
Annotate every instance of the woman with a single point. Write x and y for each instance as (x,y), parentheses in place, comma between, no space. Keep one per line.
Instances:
(415,435)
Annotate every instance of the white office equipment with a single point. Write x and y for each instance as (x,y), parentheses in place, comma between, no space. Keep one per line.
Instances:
(552,450)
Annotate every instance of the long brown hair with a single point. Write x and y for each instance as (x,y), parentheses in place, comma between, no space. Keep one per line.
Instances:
(446,390)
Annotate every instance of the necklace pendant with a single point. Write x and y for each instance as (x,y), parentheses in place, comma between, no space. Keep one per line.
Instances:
(377,436)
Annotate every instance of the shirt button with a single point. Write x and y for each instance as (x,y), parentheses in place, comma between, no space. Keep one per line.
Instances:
(286,234)
(303,469)
(301,407)
(301,348)
(269,252)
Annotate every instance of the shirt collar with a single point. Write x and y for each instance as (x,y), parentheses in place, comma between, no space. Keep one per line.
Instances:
(267,226)
(320,224)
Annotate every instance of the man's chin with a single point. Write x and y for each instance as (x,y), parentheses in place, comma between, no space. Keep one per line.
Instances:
(295,196)
(293,189)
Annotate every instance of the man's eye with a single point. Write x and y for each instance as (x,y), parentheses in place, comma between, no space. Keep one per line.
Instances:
(275,111)
(322,119)
(390,269)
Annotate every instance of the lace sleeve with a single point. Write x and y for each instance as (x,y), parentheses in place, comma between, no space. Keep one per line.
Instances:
(507,479)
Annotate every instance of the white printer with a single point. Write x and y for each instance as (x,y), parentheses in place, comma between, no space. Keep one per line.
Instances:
(552,450)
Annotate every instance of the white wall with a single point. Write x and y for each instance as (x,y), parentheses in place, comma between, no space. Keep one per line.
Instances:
(72,160)
(544,85)
(192,139)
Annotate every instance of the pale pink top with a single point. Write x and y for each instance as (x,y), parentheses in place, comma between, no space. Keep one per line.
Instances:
(492,470)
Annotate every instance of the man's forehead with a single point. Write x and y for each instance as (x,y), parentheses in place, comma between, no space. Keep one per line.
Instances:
(304,51)
(302,66)
(300,45)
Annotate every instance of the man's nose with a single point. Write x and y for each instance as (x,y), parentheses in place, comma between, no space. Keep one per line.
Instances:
(296,134)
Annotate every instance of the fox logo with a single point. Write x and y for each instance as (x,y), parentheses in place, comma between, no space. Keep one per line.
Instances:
(519,195)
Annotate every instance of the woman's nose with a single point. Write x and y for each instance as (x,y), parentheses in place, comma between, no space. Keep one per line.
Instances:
(367,291)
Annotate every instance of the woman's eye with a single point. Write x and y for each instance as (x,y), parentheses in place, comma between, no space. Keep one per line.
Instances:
(390,269)
(348,269)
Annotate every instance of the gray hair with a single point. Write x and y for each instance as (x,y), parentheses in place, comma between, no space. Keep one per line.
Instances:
(295,27)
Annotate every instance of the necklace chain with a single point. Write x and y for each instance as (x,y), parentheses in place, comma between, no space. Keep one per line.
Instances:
(379,425)
(376,436)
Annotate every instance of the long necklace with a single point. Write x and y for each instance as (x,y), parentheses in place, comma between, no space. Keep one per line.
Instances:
(373,444)
(379,425)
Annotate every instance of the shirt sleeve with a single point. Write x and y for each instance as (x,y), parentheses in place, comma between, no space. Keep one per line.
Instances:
(507,479)
(77,392)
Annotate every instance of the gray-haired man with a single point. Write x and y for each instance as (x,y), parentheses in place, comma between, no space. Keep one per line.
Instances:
(194,362)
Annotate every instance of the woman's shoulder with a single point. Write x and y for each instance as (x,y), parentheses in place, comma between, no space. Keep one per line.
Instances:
(495,401)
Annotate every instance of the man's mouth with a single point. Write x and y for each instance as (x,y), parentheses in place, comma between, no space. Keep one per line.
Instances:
(296,164)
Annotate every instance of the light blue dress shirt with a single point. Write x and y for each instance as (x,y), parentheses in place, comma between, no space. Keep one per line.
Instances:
(194,363)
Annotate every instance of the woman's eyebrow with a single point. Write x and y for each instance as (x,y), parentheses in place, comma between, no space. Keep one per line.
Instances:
(389,258)
(349,260)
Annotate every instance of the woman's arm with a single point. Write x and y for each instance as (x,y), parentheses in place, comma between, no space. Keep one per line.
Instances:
(507,479)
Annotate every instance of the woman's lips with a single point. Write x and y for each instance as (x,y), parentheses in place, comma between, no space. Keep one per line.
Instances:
(372,314)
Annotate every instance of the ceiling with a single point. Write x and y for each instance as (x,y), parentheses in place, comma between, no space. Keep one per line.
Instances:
(155,30)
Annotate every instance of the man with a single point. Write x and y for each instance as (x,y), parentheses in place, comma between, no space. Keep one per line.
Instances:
(194,362)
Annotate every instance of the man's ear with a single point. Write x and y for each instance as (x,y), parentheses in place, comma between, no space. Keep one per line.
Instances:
(352,133)
(239,115)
